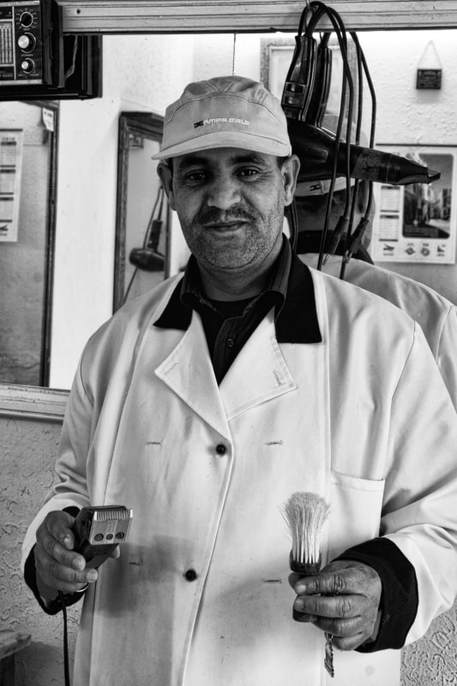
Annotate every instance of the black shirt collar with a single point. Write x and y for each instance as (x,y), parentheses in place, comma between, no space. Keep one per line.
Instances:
(290,284)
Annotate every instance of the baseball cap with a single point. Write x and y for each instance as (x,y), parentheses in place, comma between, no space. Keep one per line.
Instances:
(225,112)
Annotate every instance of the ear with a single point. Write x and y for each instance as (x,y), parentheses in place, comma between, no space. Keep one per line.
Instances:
(289,170)
(165,172)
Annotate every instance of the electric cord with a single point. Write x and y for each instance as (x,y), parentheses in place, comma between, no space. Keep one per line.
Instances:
(293,224)
(355,193)
(301,79)
(354,239)
(66,652)
(347,84)
(71,69)
(158,201)
(66,661)
(300,95)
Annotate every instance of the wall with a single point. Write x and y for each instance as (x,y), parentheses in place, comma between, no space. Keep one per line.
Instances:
(407,115)
(28,449)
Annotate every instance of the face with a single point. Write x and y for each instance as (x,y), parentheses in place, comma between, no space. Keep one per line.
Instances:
(230,204)
(311,211)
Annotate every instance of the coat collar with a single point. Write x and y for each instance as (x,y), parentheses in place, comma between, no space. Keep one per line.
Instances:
(296,319)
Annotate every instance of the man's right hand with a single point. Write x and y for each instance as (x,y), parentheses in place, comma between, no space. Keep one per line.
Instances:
(58,567)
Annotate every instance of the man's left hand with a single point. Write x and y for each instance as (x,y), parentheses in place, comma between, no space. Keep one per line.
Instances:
(343,600)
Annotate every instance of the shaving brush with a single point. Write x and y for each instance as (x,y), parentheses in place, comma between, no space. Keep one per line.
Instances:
(305,513)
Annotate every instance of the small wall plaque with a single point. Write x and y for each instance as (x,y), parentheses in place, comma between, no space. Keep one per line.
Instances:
(429,69)
(428,79)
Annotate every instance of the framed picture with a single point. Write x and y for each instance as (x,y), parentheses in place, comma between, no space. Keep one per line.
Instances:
(417,222)
(275,60)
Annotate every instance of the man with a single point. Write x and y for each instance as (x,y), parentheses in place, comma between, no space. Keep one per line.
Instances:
(206,403)
(436,315)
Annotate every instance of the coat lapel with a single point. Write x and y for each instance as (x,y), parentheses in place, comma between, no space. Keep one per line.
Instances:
(259,372)
(188,372)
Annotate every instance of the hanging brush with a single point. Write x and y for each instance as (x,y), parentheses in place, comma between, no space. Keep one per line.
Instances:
(306,513)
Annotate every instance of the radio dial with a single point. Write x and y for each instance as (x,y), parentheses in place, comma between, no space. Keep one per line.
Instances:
(26,42)
(26,19)
(28,65)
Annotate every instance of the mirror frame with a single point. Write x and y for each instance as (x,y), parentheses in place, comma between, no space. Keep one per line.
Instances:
(32,402)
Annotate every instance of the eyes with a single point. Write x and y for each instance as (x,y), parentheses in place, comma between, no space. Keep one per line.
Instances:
(200,176)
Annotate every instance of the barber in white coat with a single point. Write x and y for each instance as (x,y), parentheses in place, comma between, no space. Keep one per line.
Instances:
(436,315)
(206,403)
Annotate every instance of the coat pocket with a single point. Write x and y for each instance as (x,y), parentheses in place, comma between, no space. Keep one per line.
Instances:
(355,511)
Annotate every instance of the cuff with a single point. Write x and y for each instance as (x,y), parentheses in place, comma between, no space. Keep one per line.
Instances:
(62,600)
(399,598)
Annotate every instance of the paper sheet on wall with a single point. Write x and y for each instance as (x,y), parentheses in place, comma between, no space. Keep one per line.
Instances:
(417,223)
(11,145)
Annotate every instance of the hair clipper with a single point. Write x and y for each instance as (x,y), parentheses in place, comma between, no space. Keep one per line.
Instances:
(98,530)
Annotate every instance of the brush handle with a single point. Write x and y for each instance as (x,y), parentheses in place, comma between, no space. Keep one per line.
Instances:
(309,569)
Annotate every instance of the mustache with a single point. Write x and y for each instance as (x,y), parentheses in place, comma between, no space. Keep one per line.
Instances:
(212,215)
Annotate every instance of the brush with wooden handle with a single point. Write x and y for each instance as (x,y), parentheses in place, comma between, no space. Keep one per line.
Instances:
(306,513)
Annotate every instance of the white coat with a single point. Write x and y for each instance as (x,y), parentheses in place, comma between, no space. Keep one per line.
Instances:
(435,314)
(362,418)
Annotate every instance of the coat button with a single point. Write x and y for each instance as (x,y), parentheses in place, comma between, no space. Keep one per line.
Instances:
(190,575)
(221,449)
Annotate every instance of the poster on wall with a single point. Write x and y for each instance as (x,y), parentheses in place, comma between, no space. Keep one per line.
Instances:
(417,222)
(11,142)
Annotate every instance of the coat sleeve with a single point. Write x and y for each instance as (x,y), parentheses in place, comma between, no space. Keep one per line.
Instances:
(70,486)
(419,512)
(447,353)
(108,353)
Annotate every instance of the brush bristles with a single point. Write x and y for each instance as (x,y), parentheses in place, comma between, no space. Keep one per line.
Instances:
(305,513)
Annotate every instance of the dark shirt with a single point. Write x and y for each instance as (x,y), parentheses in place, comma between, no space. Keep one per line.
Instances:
(290,291)
(229,324)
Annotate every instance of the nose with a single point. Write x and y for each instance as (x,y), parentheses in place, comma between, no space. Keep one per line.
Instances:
(223,192)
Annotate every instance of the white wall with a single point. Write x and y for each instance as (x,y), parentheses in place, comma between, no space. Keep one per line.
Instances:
(411,116)
(408,115)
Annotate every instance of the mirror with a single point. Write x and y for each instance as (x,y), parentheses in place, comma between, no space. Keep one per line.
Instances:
(107,189)
(141,244)
(28,155)
(93,236)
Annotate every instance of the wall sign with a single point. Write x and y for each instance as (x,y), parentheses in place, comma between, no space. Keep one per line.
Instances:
(429,70)
(417,223)
(428,79)
(11,141)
